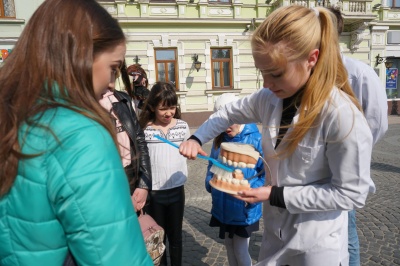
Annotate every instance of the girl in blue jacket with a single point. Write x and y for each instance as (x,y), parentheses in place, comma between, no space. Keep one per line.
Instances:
(236,219)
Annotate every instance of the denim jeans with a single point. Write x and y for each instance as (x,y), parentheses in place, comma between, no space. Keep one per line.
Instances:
(354,245)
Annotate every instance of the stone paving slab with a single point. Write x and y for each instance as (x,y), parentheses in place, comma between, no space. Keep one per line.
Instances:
(378,222)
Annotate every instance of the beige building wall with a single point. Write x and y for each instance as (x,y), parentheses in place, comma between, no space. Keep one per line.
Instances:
(372,33)
(194,27)
(17,13)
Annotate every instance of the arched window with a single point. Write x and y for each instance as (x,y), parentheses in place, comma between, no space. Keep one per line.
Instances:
(7,9)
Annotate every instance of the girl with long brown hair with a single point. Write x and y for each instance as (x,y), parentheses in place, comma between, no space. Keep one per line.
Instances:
(161,117)
(62,185)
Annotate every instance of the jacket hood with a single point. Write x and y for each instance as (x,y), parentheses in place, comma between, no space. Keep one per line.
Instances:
(247,130)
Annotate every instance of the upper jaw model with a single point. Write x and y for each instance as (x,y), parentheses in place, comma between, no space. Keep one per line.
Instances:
(239,155)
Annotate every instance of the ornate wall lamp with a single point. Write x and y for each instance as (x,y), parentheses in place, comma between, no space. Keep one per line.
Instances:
(196,62)
(251,26)
(136,60)
(388,60)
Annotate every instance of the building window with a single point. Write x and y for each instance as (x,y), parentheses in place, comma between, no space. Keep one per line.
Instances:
(167,66)
(393,3)
(221,64)
(7,9)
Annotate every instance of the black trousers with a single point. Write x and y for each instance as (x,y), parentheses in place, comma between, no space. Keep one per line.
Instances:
(167,207)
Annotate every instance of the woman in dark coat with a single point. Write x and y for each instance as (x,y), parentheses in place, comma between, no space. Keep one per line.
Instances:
(132,144)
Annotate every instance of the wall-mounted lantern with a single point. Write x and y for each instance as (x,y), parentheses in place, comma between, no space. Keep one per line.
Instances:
(136,60)
(196,62)
(388,60)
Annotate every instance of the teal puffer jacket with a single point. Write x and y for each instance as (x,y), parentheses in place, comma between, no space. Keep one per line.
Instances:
(74,195)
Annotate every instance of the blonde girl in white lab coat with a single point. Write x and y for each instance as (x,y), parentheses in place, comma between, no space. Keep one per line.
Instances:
(316,140)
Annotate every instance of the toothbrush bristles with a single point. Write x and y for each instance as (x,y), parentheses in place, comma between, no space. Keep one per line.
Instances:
(220,172)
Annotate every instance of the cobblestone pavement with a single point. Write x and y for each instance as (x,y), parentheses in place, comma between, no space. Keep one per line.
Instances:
(378,222)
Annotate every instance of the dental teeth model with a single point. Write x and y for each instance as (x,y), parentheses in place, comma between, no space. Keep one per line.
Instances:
(239,155)
(236,155)
(230,184)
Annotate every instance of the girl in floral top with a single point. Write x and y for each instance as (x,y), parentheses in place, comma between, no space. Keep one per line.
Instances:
(160,116)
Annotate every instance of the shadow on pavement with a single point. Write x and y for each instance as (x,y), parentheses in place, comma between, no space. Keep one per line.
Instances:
(199,219)
(201,246)
(206,246)
(385,167)
(193,252)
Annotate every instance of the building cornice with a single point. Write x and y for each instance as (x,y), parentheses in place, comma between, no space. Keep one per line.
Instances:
(186,21)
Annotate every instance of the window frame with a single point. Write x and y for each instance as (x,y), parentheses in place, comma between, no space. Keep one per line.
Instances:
(221,61)
(391,4)
(2,13)
(2,10)
(165,62)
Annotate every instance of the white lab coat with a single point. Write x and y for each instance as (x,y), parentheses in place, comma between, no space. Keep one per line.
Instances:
(371,94)
(327,175)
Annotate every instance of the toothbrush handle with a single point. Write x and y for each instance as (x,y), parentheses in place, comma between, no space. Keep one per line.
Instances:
(214,161)
(206,158)
(176,146)
(166,141)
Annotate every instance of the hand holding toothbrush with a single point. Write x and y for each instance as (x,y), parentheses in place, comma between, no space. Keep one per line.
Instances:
(190,149)
(194,150)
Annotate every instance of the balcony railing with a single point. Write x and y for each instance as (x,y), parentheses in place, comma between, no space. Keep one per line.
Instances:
(234,10)
(356,7)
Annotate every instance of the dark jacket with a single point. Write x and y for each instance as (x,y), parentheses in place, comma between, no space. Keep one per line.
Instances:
(139,174)
(225,208)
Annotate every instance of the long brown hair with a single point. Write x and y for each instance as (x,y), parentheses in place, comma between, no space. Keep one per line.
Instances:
(56,48)
(125,79)
(294,31)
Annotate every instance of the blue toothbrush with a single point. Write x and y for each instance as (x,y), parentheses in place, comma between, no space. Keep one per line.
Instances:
(215,162)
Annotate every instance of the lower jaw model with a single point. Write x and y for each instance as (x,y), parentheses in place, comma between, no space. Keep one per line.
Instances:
(236,155)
